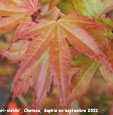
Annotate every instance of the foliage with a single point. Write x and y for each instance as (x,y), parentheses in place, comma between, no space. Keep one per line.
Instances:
(59,45)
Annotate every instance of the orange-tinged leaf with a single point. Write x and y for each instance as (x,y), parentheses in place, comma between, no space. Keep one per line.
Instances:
(16,12)
(108,77)
(60,64)
(28,78)
(36,29)
(44,86)
(78,32)
(35,50)
(81,38)
(56,36)
(81,81)
(9,23)
(7,9)
(30,6)
(15,52)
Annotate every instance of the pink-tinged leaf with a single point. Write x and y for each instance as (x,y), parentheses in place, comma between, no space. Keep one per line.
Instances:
(70,30)
(30,6)
(43,82)
(12,14)
(7,9)
(60,58)
(33,29)
(9,23)
(81,81)
(35,50)
(108,77)
(78,32)
(81,38)
(21,27)
(28,78)
(15,52)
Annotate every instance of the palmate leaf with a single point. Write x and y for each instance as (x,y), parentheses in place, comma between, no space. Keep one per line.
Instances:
(36,76)
(93,8)
(81,80)
(56,36)
(90,8)
(16,12)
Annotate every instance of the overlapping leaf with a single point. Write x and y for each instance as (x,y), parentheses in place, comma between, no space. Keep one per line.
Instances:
(16,12)
(90,8)
(56,37)
(81,80)
(15,52)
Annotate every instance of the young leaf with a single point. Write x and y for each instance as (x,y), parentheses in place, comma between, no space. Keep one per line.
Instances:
(64,6)
(93,8)
(90,8)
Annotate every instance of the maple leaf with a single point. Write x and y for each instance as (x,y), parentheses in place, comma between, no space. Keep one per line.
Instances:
(15,51)
(81,80)
(90,8)
(49,53)
(16,12)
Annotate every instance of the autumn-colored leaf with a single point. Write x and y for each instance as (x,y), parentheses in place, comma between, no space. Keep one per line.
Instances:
(38,71)
(15,52)
(81,81)
(90,8)
(16,12)
(61,57)
(106,74)
(56,37)
(93,8)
